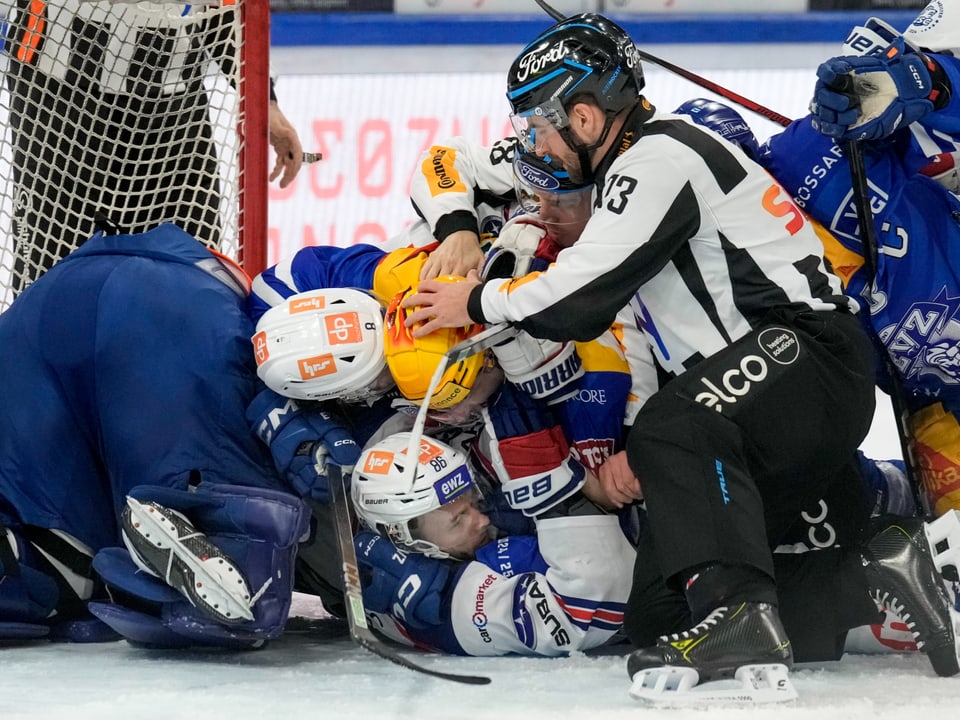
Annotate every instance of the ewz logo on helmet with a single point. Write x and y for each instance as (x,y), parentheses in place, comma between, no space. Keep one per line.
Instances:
(452,485)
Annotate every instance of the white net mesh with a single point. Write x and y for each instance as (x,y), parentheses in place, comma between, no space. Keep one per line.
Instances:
(125,113)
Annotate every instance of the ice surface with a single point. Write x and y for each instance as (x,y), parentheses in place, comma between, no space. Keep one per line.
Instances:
(319,673)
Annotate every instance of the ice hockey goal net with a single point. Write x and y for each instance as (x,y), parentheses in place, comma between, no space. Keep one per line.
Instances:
(133,113)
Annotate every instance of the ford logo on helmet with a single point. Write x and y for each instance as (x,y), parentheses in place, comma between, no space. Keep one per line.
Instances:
(536,177)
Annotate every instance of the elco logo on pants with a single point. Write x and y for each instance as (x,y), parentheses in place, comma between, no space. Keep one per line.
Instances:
(778,344)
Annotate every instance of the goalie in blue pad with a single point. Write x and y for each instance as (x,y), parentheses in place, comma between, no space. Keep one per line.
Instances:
(129,362)
(210,567)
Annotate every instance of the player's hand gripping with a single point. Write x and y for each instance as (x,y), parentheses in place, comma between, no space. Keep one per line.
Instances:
(870,97)
(458,254)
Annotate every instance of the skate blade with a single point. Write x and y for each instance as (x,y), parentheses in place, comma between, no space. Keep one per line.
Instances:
(210,582)
(678,687)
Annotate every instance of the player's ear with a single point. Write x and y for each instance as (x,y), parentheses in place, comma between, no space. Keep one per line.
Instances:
(586,119)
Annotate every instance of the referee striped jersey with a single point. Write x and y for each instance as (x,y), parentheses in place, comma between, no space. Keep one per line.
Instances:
(695,238)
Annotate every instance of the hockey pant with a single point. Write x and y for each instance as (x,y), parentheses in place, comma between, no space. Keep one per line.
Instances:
(822,594)
(732,451)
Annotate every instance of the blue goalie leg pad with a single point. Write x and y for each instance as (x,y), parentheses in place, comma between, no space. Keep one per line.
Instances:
(83,630)
(137,627)
(13,632)
(255,532)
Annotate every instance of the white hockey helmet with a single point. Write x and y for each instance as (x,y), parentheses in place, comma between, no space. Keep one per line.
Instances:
(323,344)
(386,501)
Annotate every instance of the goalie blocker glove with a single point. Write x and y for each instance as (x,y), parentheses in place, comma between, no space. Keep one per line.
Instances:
(526,450)
(871,97)
(303,441)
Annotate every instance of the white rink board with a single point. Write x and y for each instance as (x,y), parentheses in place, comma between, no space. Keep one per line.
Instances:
(372,129)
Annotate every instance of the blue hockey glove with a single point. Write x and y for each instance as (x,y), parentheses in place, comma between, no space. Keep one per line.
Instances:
(870,97)
(528,451)
(303,441)
(168,596)
(407,585)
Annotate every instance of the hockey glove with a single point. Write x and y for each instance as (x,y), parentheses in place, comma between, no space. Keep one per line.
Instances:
(514,253)
(544,368)
(303,441)
(873,38)
(527,450)
(406,585)
(870,97)
(203,546)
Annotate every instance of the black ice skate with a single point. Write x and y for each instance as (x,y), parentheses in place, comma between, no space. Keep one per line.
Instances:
(745,642)
(903,579)
(164,543)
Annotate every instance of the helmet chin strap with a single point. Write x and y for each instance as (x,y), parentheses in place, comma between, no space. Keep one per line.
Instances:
(583,151)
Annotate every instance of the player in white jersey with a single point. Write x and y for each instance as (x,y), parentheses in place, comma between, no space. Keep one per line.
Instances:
(770,377)
(559,591)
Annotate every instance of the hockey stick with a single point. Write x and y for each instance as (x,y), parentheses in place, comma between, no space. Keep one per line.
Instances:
(356,615)
(871,254)
(484,340)
(693,77)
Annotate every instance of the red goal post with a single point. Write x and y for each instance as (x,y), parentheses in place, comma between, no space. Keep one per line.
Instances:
(136,112)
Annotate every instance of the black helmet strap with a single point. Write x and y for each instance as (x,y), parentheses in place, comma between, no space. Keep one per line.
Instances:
(583,151)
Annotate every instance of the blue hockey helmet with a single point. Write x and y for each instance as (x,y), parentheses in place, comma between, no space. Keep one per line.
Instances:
(723,120)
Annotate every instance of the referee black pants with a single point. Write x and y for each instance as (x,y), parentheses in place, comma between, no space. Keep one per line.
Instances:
(732,451)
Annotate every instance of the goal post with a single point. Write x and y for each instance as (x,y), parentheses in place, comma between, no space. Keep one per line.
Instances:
(132,114)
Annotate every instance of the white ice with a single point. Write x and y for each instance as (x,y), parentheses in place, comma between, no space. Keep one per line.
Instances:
(321,674)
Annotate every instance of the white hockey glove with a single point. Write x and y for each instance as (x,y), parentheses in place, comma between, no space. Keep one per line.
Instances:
(515,249)
(545,369)
(872,38)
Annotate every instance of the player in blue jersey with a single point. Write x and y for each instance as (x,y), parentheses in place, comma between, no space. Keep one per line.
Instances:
(128,364)
(909,147)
